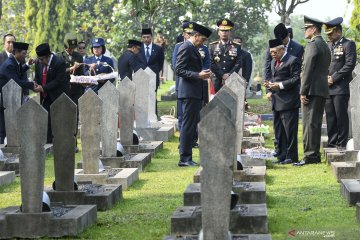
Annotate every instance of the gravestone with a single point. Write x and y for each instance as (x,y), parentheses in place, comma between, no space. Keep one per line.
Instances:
(216,129)
(64,123)
(238,85)
(141,80)
(354,86)
(12,93)
(31,119)
(109,119)
(126,111)
(33,220)
(152,94)
(90,110)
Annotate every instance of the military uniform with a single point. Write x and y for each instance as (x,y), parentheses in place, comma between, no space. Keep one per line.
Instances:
(314,87)
(225,58)
(343,60)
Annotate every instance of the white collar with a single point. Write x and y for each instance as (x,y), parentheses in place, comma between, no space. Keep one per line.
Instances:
(150,46)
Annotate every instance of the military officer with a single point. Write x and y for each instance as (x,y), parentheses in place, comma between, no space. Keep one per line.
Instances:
(127,63)
(314,89)
(226,56)
(343,60)
(74,65)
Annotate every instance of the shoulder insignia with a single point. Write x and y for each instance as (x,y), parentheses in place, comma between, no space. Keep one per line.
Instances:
(214,42)
(236,43)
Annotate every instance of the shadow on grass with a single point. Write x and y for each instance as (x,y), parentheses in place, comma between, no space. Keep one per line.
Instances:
(137,185)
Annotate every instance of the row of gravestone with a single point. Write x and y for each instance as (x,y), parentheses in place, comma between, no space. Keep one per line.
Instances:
(345,164)
(95,184)
(211,210)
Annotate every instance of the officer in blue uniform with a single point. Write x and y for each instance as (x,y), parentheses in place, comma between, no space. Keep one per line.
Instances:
(343,60)
(127,63)
(98,63)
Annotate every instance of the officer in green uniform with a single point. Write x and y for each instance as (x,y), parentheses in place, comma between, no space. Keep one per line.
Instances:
(74,66)
(226,55)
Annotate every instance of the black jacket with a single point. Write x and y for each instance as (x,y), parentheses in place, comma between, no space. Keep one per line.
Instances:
(188,67)
(127,64)
(343,61)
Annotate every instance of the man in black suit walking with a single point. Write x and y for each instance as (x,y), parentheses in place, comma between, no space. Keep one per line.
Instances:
(314,89)
(50,75)
(283,91)
(343,60)
(191,78)
(127,64)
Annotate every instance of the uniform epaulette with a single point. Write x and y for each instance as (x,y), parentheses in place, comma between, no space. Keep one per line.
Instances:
(179,43)
(214,42)
(236,43)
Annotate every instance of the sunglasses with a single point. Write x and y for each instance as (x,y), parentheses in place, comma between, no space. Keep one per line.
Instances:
(81,47)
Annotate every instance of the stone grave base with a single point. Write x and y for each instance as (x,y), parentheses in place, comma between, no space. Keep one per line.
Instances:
(131,148)
(138,161)
(119,176)
(249,161)
(346,170)
(350,189)
(244,219)
(334,155)
(172,97)
(234,237)
(16,150)
(6,177)
(150,146)
(251,142)
(10,164)
(15,224)
(156,134)
(249,193)
(103,196)
(358,211)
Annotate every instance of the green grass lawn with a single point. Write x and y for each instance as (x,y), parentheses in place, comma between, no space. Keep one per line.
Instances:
(302,199)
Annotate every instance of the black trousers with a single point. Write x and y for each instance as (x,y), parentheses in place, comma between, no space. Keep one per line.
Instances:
(337,120)
(2,125)
(286,128)
(312,114)
(190,118)
(46,102)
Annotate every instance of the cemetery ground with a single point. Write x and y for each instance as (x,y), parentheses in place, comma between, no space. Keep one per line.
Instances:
(305,199)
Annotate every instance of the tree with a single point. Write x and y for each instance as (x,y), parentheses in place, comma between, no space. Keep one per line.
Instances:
(355,27)
(284,8)
(47,21)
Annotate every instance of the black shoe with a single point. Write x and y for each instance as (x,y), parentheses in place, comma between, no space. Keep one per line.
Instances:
(196,145)
(287,161)
(187,164)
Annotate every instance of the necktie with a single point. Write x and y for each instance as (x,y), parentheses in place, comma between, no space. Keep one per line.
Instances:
(43,80)
(277,64)
(147,54)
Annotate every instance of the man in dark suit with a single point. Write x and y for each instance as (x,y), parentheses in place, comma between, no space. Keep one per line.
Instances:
(227,56)
(9,40)
(343,61)
(50,75)
(292,48)
(151,55)
(191,77)
(314,89)
(127,63)
(12,69)
(283,91)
